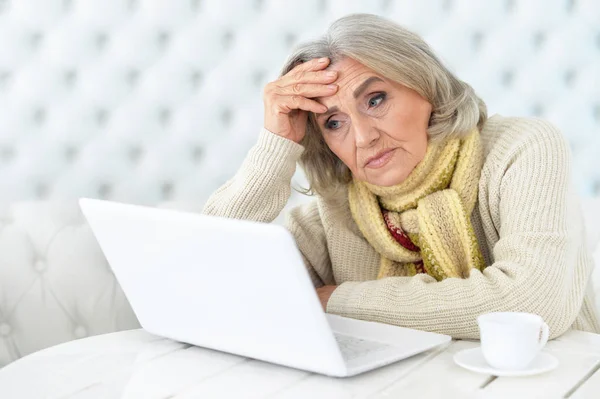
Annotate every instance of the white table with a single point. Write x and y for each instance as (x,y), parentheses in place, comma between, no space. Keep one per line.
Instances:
(136,364)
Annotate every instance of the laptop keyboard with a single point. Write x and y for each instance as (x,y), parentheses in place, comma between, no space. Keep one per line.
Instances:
(353,347)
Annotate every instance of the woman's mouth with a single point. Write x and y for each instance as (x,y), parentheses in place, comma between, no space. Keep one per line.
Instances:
(380,159)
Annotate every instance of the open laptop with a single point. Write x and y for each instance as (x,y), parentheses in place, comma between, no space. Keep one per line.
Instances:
(239,287)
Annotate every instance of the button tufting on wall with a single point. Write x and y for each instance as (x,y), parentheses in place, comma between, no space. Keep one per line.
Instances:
(226,116)
(195,5)
(101,117)
(197,153)
(104,190)
(447,5)
(7,154)
(101,41)
(80,332)
(507,78)
(40,266)
(569,77)
(70,153)
(135,153)
(70,77)
(133,77)
(476,40)
(164,116)
(538,39)
(196,79)
(5,330)
(5,77)
(162,39)
(132,5)
(290,39)
(35,39)
(41,191)
(167,190)
(509,6)
(39,115)
(227,39)
(258,77)
(67,5)
(72,93)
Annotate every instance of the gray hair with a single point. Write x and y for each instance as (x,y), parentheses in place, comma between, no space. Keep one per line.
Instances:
(399,55)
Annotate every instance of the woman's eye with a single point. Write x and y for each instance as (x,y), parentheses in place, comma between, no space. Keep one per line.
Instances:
(331,125)
(376,100)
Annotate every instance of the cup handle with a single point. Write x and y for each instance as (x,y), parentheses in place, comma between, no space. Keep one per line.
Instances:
(545,335)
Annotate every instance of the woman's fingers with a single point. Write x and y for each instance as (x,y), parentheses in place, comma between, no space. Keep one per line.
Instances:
(308,77)
(315,64)
(308,90)
(318,77)
(308,80)
(288,103)
(309,72)
(305,80)
(295,91)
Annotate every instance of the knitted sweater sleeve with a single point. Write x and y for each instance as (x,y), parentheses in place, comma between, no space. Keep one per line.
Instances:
(304,222)
(260,190)
(261,187)
(539,243)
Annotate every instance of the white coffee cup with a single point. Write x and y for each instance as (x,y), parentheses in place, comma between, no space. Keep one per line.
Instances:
(511,340)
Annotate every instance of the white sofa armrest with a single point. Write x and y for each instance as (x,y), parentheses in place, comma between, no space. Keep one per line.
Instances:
(55,284)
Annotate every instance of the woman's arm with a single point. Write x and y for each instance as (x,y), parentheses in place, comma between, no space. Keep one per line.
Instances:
(540,244)
(304,222)
(261,187)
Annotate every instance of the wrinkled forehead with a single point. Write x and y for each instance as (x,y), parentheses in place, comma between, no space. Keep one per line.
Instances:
(353,78)
(349,71)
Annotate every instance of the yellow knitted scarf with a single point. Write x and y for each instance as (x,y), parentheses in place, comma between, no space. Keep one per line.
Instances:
(431,208)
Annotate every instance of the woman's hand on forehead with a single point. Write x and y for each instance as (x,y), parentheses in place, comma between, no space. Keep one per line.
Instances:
(288,99)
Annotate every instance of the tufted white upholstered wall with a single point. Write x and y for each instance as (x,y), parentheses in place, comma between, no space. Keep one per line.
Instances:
(152,100)
(148,101)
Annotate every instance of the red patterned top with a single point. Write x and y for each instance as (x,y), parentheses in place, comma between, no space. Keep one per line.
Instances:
(402,238)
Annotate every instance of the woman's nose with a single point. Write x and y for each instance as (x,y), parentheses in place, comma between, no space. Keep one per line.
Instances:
(365,134)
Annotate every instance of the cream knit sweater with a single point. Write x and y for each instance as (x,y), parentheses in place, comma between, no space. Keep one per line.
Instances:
(527,220)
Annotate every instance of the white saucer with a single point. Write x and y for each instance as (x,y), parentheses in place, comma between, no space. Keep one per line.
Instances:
(472,359)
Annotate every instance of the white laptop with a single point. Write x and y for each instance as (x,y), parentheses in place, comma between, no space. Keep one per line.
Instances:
(239,287)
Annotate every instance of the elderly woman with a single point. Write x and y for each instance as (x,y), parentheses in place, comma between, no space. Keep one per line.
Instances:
(427,212)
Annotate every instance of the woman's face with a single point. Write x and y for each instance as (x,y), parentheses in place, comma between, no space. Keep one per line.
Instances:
(377,127)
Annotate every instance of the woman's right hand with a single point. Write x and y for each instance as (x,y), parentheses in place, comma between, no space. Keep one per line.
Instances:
(288,98)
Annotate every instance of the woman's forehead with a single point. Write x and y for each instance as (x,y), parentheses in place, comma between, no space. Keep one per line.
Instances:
(353,78)
(347,69)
